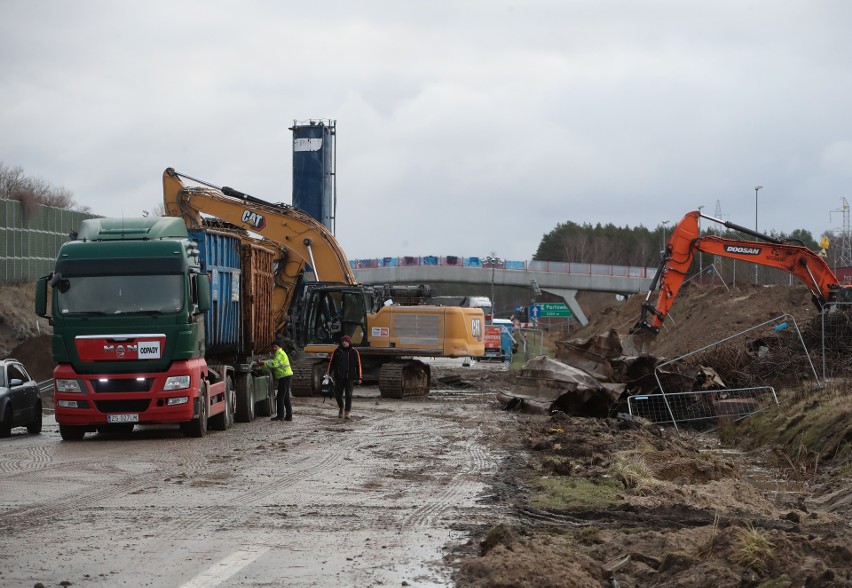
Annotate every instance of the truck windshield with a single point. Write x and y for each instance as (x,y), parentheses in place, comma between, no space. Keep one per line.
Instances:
(114,294)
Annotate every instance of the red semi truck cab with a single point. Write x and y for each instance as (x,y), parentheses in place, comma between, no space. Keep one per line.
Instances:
(128,299)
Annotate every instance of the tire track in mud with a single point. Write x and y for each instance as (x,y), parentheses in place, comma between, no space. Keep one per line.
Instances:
(132,482)
(377,428)
(306,466)
(437,506)
(44,513)
(38,457)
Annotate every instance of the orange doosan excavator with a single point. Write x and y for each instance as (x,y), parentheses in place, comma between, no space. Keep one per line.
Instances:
(686,240)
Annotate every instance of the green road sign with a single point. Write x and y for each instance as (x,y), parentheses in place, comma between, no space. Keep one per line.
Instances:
(550,310)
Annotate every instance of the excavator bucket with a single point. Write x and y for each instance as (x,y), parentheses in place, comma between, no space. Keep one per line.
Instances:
(638,343)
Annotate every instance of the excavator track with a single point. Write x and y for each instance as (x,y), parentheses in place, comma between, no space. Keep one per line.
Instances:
(404,379)
(307,377)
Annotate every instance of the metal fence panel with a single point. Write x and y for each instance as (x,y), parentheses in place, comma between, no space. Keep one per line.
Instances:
(29,242)
(836,334)
(705,405)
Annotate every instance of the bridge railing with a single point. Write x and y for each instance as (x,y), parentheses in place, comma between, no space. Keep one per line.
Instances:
(593,269)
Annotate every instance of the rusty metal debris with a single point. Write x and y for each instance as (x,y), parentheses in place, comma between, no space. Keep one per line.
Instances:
(592,377)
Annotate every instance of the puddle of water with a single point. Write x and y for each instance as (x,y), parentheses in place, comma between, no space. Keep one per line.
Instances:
(763,478)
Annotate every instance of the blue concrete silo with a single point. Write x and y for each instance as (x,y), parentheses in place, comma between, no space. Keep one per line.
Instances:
(314,174)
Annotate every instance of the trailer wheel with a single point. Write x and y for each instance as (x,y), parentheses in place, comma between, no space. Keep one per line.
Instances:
(72,433)
(245,398)
(198,427)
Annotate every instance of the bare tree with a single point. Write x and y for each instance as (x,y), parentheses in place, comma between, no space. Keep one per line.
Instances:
(31,191)
(158,209)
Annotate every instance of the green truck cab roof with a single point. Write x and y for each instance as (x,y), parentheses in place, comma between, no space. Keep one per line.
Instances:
(118,229)
(155,245)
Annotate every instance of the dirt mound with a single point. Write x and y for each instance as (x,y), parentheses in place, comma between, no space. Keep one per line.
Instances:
(703,315)
(18,321)
(35,355)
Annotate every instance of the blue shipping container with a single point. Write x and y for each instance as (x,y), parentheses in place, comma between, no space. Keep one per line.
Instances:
(220,259)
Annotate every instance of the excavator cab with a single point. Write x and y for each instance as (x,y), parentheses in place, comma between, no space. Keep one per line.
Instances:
(842,293)
(327,312)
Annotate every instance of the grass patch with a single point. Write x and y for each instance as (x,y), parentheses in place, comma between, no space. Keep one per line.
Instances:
(566,493)
(844,471)
(810,424)
(632,471)
(753,549)
(588,535)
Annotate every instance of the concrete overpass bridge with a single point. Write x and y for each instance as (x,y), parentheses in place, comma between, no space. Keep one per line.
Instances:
(478,276)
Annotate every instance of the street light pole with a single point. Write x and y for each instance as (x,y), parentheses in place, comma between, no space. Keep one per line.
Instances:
(756,188)
(700,257)
(493,262)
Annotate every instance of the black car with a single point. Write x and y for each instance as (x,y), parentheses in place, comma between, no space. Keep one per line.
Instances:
(20,404)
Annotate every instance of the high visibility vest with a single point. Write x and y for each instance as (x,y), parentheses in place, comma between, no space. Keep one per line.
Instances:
(279,365)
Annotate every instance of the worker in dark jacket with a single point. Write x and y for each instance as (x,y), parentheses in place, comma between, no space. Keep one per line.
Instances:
(279,365)
(344,365)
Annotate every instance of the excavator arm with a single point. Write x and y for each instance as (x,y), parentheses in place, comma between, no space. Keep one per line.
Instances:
(685,241)
(302,241)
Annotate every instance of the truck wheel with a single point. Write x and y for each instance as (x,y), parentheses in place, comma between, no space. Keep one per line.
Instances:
(265,406)
(197,427)
(225,419)
(232,400)
(245,398)
(34,428)
(72,433)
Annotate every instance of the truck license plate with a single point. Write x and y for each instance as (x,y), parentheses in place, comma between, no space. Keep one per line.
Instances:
(123,418)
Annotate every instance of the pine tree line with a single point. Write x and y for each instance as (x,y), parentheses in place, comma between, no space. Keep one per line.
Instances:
(634,246)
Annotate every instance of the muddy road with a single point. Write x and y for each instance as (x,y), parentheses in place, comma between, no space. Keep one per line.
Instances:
(381,499)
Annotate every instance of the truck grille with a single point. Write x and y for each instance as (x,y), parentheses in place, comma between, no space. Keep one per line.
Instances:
(122,385)
(123,405)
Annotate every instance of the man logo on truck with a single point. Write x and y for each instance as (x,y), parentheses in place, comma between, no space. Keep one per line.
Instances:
(119,350)
(254,219)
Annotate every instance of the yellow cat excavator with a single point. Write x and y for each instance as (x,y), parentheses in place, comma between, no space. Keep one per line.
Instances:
(316,299)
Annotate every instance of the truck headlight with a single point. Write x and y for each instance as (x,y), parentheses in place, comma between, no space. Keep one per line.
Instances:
(73,404)
(68,386)
(177,400)
(177,383)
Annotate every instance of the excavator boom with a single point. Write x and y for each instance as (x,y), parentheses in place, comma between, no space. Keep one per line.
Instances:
(302,241)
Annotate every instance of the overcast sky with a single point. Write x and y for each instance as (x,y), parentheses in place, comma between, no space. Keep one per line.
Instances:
(465,127)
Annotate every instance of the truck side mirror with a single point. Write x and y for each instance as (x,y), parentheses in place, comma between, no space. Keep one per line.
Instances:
(41,297)
(202,286)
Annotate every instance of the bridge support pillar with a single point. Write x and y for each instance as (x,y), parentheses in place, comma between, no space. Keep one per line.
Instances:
(571,301)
